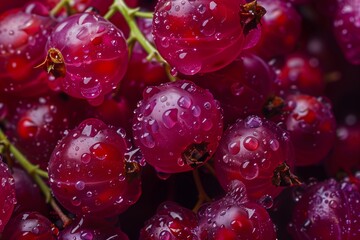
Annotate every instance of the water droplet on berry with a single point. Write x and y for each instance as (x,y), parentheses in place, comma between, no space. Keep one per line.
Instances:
(147,140)
(170,117)
(234,147)
(85,158)
(85,235)
(184,102)
(266,201)
(251,143)
(274,144)
(165,235)
(196,111)
(79,185)
(249,170)
(253,122)
(76,201)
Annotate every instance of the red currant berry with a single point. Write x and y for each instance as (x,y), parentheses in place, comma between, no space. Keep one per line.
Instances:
(23,34)
(171,221)
(242,87)
(89,173)
(312,128)
(29,225)
(234,217)
(177,126)
(86,229)
(347,29)
(7,194)
(254,151)
(36,124)
(280,29)
(87,55)
(327,210)
(214,35)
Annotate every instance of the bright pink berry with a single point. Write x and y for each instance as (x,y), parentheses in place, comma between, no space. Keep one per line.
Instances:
(87,55)
(234,217)
(91,172)
(253,150)
(198,36)
(23,34)
(177,126)
(7,194)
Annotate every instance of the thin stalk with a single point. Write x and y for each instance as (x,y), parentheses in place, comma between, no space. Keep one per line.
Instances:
(58,7)
(202,197)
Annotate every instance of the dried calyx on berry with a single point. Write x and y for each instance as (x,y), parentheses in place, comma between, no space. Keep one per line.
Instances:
(250,15)
(54,63)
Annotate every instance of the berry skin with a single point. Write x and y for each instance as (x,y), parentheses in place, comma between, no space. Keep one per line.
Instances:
(7,194)
(23,34)
(242,87)
(89,173)
(87,55)
(327,210)
(234,217)
(280,29)
(347,29)
(312,128)
(177,126)
(299,73)
(29,225)
(250,151)
(214,35)
(171,222)
(84,229)
(36,124)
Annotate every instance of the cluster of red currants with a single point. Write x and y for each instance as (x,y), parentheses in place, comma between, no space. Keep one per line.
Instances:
(117,117)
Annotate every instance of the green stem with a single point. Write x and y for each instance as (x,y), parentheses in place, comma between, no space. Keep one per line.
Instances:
(141,14)
(129,15)
(58,7)
(35,172)
(21,159)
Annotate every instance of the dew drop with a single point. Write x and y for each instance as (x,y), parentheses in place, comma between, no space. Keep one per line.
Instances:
(251,143)
(169,118)
(274,144)
(79,185)
(147,140)
(234,147)
(75,201)
(185,102)
(249,170)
